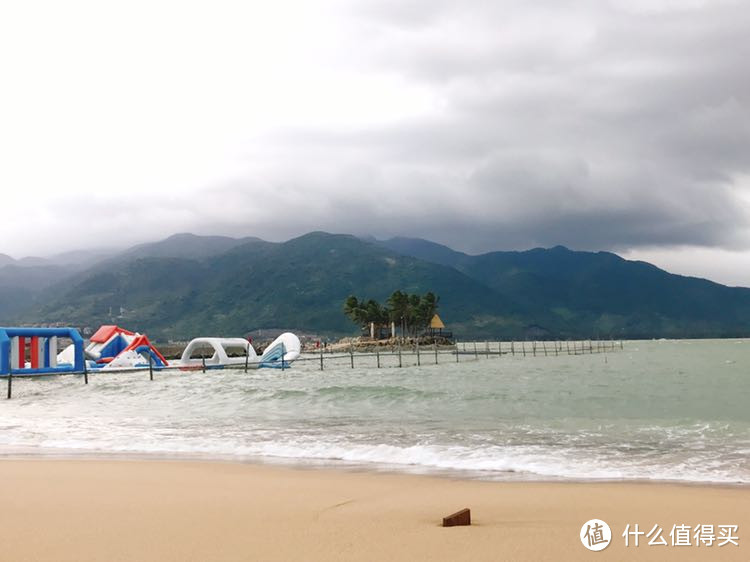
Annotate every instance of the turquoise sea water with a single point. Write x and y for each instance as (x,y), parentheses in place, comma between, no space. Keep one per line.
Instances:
(667,410)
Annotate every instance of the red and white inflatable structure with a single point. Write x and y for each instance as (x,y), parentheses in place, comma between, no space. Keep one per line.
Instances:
(114,347)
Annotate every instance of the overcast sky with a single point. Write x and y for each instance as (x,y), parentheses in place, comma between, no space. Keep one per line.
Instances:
(620,125)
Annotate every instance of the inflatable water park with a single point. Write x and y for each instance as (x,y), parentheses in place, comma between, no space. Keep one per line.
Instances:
(35,351)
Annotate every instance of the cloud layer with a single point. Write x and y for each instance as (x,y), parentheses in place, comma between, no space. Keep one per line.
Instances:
(486,125)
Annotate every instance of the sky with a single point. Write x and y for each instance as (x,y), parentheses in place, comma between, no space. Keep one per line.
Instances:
(619,125)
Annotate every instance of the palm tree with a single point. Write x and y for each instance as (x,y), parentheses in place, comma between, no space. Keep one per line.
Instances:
(377,314)
(415,303)
(411,312)
(356,311)
(398,305)
(427,309)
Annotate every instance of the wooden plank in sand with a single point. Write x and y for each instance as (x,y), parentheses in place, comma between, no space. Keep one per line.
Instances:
(460,518)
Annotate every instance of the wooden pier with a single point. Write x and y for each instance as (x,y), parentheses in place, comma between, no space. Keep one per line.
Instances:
(415,355)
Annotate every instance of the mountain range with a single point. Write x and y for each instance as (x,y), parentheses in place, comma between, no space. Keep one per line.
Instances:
(188,285)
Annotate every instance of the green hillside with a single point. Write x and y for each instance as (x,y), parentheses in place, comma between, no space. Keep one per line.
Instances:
(599,291)
(187,285)
(299,284)
(23,287)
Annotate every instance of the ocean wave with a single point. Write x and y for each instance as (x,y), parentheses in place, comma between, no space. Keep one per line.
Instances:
(495,463)
(654,414)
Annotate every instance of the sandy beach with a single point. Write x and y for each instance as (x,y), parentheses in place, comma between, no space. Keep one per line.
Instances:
(168,510)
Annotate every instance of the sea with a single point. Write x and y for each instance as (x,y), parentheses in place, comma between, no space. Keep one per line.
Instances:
(654,410)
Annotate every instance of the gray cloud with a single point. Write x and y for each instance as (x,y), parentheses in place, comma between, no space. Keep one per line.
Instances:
(596,124)
(591,124)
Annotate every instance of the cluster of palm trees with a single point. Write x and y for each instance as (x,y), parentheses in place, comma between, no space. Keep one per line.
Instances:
(410,312)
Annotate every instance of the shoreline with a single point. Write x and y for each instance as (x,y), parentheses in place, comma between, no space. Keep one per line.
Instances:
(57,509)
(312,464)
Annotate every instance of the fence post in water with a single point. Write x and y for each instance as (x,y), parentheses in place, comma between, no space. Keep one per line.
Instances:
(457,352)
(150,367)
(321,358)
(85,372)
(523,347)
(419,361)
(10,381)
(436,352)
(247,355)
(399,354)
(513,348)
(283,352)
(203,362)
(351,354)
(377,354)
(544,347)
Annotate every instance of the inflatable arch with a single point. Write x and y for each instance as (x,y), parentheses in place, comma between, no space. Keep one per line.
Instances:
(41,344)
(222,347)
(286,347)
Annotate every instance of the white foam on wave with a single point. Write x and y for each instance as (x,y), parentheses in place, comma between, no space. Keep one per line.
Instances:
(489,426)
(491,462)
(536,461)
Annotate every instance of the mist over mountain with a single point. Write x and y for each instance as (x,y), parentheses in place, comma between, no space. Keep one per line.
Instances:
(188,285)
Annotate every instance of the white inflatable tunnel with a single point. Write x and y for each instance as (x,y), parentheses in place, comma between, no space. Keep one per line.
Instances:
(235,352)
